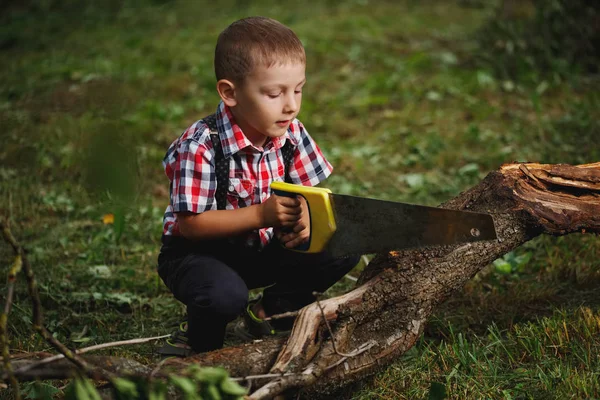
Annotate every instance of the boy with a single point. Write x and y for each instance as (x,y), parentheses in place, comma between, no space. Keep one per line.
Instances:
(224,232)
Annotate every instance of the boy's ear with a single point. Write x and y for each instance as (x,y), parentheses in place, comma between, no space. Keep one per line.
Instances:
(226,91)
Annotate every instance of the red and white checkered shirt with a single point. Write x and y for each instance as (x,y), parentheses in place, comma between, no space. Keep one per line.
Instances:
(190,166)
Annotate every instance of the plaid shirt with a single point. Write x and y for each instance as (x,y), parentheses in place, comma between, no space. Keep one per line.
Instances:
(190,166)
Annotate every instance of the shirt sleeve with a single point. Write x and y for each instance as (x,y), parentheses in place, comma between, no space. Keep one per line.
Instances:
(193,184)
(309,166)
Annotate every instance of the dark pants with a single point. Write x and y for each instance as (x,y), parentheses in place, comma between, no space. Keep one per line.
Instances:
(213,278)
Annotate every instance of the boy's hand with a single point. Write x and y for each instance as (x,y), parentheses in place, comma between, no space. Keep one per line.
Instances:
(281,211)
(299,233)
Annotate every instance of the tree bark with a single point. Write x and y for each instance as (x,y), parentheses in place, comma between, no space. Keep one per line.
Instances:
(385,314)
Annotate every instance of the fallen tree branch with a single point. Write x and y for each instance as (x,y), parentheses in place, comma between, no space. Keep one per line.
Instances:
(38,318)
(398,291)
(12,277)
(87,350)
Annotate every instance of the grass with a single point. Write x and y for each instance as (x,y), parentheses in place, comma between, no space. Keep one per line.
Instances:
(553,357)
(91,95)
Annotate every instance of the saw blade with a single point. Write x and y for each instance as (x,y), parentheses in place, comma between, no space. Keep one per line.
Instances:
(367,225)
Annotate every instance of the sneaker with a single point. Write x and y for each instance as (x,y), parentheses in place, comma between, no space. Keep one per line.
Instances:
(250,327)
(176,345)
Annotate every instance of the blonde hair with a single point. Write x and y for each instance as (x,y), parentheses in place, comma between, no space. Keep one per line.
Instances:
(253,41)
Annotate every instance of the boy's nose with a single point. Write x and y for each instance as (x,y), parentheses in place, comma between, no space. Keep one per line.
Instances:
(291,105)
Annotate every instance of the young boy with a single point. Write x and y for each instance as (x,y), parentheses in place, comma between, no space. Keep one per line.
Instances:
(224,231)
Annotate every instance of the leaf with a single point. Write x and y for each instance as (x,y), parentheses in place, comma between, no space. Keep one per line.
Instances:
(542,87)
(91,389)
(81,389)
(210,375)
(523,259)
(469,169)
(126,389)
(40,391)
(448,57)
(231,387)
(81,340)
(100,271)
(16,266)
(508,86)
(414,180)
(187,386)
(432,95)
(502,266)
(158,391)
(211,392)
(484,79)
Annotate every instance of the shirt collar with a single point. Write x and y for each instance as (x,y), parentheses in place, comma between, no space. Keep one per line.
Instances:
(233,139)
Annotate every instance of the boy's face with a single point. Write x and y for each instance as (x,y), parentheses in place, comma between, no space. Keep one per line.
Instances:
(268,100)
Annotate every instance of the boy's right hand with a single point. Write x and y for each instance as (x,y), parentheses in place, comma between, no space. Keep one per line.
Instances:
(280,211)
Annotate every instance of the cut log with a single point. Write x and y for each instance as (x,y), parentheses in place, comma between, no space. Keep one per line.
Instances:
(385,314)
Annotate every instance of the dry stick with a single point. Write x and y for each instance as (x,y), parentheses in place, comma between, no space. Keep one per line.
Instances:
(329,327)
(263,376)
(361,349)
(38,318)
(12,277)
(88,349)
(282,315)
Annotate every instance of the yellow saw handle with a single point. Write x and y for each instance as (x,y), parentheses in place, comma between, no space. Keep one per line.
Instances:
(322,220)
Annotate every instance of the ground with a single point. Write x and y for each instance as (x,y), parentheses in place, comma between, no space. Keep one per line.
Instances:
(405,102)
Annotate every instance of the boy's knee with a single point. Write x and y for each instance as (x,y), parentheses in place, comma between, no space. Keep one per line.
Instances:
(225,300)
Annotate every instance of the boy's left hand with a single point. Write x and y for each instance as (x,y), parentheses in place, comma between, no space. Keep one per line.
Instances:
(300,233)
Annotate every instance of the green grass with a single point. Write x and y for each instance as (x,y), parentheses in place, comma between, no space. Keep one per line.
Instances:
(92,94)
(553,357)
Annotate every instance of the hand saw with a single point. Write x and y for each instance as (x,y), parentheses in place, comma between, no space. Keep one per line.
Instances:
(346,225)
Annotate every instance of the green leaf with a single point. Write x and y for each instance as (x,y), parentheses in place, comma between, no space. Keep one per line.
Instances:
(211,392)
(100,271)
(40,391)
(469,169)
(231,387)
(158,391)
(432,95)
(187,386)
(210,375)
(81,389)
(81,340)
(485,79)
(523,259)
(126,389)
(502,266)
(414,180)
(91,389)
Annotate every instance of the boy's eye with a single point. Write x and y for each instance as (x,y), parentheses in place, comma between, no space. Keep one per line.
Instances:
(273,95)
(297,91)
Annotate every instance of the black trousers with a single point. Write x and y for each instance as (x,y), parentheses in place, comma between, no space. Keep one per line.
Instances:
(212,279)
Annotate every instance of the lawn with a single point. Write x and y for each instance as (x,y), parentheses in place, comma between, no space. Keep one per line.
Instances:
(407,100)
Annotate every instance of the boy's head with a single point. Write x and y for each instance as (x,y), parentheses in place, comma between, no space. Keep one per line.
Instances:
(255,41)
(260,66)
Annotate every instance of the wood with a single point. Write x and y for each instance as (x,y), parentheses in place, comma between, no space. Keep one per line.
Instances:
(384,316)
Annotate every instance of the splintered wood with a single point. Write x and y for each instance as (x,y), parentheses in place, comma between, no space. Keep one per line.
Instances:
(562,198)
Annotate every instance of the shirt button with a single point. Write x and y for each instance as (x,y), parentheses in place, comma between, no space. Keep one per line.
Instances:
(231,188)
